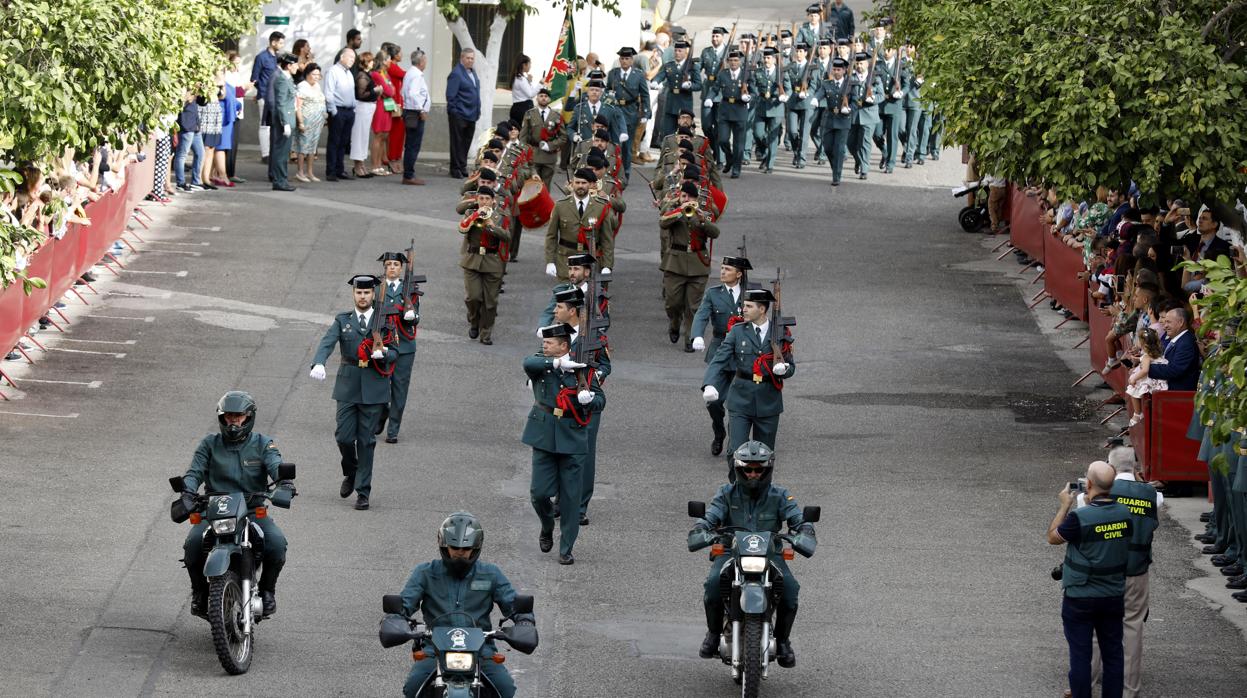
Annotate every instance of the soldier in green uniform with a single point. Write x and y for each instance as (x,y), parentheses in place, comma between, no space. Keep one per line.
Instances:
(769,91)
(690,232)
(800,78)
(894,75)
(576,217)
(484,230)
(630,90)
(558,432)
(835,94)
(821,68)
(914,117)
(402,309)
(579,266)
(746,360)
(235,460)
(731,94)
(679,79)
(362,388)
(865,114)
(543,131)
(460,584)
(713,58)
(754,502)
(671,142)
(587,113)
(812,29)
(720,307)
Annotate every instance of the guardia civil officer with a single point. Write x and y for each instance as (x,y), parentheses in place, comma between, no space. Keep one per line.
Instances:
(460,583)
(235,460)
(557,429)
(579,267)
(678,79)
(402,310)
(747,361)
(631,91)
(713,58)
(835,94)
(362,388)
(730,92)
(755,503)
(720,308)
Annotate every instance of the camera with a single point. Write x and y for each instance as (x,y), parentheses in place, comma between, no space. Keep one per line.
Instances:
(1079,485)
(1058,572)
(1176,251)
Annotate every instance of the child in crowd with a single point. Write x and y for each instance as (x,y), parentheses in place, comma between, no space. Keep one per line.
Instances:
(1140,384)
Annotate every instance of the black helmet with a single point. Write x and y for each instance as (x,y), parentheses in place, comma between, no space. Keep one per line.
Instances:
(460,530)
(752,454)
(236,401)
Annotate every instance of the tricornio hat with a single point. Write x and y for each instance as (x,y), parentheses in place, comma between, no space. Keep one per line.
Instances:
(561,329)
(573,297)
(364,281)
(740,263)
(392,257)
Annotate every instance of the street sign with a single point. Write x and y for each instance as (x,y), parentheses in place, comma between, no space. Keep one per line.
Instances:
(271,20)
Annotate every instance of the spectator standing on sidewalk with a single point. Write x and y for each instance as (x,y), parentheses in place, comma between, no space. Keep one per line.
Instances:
(235,78)
(261,73)
(398,131)
(310,114)
(339,90)
(415,113)
(463,108)
(365,107)
(188,140)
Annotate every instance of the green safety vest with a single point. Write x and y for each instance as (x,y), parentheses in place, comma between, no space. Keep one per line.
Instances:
(1096,566)
(1140,499)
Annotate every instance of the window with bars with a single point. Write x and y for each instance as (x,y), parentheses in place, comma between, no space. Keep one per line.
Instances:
(478,18)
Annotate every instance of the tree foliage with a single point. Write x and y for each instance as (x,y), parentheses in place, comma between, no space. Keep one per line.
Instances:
(1089,92)
(1222,311)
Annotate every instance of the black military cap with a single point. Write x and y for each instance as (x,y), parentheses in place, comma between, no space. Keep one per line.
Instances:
(861,56)
(687,112)
(561,329)
(602,134)
(626,52)
(839,63)
(735,53)
(684,143)
(364,281)
(824,42)
(747,36)
(504,127)
(596,73)
(544,91)
(692,172)
(597,162)
(573,297)
(684,130)
(595,82)
(844,41)
(814,10)
(718,30)
(580,260)
(497,144)
(485,189)
(690,188)
(739,263)
(759,295)
(487,174)
(681,44)
(770,51)
(586,174)
(490,156)
(392,256)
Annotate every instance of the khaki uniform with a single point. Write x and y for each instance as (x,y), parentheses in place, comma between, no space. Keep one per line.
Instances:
(482,265)
(534,132)
(568,232)
(685,265)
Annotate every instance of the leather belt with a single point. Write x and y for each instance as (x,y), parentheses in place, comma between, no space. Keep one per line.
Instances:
(623,101)
(571,245)
(557,412)
(679,248)
(749,376)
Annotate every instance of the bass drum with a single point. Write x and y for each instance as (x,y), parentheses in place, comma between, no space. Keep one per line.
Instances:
(718,201)
(535,204)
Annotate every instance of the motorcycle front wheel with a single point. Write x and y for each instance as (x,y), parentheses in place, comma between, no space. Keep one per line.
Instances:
(226,607)
(751,669)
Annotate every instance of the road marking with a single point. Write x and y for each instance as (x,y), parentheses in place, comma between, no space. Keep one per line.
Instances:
(170,273)
(344,207)
(189,252)
(89,384)
(85,351)
(71,415)
(213,229)
(184,244)
(125,294)
(99,341)
(149,318)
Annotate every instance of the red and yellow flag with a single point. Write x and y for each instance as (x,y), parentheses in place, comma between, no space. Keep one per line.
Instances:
(563,65)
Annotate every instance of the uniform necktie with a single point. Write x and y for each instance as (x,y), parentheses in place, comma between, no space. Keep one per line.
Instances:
(581,206)
(595,111)
(393,287)
(362,322)
(545,114)
(758,331)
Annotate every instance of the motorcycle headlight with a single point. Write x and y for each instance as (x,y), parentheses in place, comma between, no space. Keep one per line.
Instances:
(224,526)
(753,563)
(458,661)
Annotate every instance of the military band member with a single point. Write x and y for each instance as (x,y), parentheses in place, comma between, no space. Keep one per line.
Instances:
(731,94)
(684,131)
(577,217)
(607,187)
(894,75)
(770,93)
(713,58)
(631,90)
(484,229)
(362,388)
(720,308)
(600,142)
(835,95)
(557,429)
(679,79)
(746,360)
(800,77)
(690,231)
(543,132)
(402,308)
(865,114)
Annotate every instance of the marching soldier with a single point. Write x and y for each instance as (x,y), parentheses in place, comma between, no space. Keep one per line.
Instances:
(600,142)
(402,308)
(586,113)
(679,79)
(686,264)
(844,49)
(362,388)
(812,29)
(713,58)
(915,117)
(576,217)
(720,309)
(894,75)
(865,115)
(684,131)
(631,91)
(799,76)
(543,132)
(607,187)
(732,95)
(485,229)
(557,429)
(821,66)
(835,94)
(579,266)
(771,93)
(747,361)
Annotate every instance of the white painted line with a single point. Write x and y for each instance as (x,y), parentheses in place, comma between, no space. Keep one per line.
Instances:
(84,351)
(184,244)
(71,415)
(99,341)
(213,229)
(149,318)
(123,294)
(189,252)
(91,384)
(142,271)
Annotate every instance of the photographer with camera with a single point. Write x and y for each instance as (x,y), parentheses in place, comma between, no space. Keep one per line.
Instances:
(1093,575)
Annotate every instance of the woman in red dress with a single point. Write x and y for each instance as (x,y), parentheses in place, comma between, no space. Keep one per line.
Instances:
(382,118)
(398,130)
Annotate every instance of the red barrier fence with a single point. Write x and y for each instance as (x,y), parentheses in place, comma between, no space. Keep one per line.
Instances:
(1026,231)
(1062,265)
(1160,441)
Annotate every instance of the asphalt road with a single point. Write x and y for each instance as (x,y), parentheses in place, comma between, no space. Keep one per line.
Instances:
(930,418)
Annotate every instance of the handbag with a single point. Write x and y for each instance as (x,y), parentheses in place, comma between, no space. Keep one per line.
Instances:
(390,105)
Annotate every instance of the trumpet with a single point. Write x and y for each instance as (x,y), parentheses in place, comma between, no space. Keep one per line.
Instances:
(691,208)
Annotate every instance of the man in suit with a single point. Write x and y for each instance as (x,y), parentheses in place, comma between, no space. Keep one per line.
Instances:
(731,93)
(543,131)
(679,79)
(756,376)
(689,233)
(1209,245)
(770,92)
(282,122)
(362,388)
(631,91)
(463,108)
(1181,352)
(401,308)
(837,118)
(713,58)
(576,217)
(720,306)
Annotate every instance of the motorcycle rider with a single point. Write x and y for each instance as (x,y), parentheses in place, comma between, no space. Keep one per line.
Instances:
(754,503)
(460,583)
(235,460)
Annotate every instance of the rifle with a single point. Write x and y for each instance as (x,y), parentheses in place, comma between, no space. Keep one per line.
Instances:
(778,321)
(411,280)
(589,340)
(779,71)
(896,77)
(726,47)
(869,92)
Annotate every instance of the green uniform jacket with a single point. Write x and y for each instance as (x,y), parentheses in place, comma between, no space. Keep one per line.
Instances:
(393,308)
(765,89)
(732,506)
(283,101)
(712,61)
(733,362)
(631,95)
(913,92)
(689,242)
(889,73)
(222,467)
(728,92)
(362,386)
(865,113)
(716,308)
(434,591)
(479,234)
(809,35)
(1095,567)
(582,122)
(545,431)
(566,225)
(547,316)
(603,359)
(831,95)
(671,77)
(793,72)
(533,127)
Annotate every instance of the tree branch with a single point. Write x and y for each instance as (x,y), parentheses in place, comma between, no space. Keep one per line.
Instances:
(459,29)
(1235,5)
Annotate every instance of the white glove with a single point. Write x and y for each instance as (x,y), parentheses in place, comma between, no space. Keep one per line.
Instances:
(551,270)
(780,369)
(746,98)
(539,332)
(584,397)
(814,102)
(318,372)
(285,130)
(710,394)
(708,103)
(409,315)
(699,344)
(686,85)
(565,363)
(919,81)
(643,120)
(545,146)
(783,98)
(378,354)
(802,95)
(623,138)
(606,271)
(575,137)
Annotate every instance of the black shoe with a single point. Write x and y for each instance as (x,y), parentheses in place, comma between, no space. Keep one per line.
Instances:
(1239,582)
(1212,550)
(361,502)
(270,602)
(727,168)
(784,654)
(209,186)
(921,161)
(888,171)
(278,187)
(799,166)
(1206,538)
(264,159)
(391,439)
(862,176)
(735,175)
(1205,517)
(688,347)
(348,484)
(88,276)
(566,559)
(344,175)
(330,178)
(1239,596)
(584,520)
(1222,560)
(487,341)
(835,182)
(908,165)
(673,335)
(770,170)
(199,604)
(709,646)
(545,540)
(473,333)
(1233,570)
(716,446)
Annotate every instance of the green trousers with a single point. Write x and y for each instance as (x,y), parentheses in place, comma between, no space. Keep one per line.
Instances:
(356,437)
(557,474)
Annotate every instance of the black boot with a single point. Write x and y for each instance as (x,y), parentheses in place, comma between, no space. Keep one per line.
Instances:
(348,469)
(784,618)
(199,591)
(716,446)
(269,600)
(714,621)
